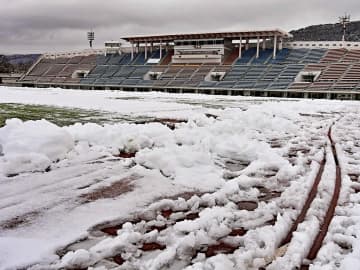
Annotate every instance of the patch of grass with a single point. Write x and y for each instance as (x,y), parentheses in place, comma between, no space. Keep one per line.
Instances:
(221,103)
(60,116)
(210,104)
(129,98)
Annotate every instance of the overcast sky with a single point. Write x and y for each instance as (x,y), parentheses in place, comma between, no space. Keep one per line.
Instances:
(60,25)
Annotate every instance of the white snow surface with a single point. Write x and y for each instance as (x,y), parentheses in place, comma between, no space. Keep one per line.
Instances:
(32,145)
(47,172)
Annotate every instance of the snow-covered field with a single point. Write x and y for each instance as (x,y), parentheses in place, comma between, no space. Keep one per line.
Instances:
(208,182)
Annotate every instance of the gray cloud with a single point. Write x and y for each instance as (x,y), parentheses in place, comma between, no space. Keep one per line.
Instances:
(58,25)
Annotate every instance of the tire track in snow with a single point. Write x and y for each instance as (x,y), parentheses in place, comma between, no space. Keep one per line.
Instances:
(317,242)
(309,200)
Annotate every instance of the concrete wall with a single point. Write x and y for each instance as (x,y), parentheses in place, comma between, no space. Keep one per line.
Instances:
(323,45)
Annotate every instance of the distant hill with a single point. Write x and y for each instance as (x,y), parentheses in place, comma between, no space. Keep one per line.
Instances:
(16,59)
(331,32)
(17,63)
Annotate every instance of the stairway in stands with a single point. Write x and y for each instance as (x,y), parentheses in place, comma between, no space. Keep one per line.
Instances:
(168,58)
(230,59)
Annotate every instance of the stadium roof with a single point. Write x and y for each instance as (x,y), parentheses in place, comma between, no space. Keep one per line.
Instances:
(243,34)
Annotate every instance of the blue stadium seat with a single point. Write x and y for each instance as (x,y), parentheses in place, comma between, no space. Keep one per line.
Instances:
(281,56)
(139,59)
(264,56)
(126,60)
(102,59)
(247,56)
(115,59)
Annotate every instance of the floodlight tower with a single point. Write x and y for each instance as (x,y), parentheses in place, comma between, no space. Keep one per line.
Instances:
(91,37)
(344,21)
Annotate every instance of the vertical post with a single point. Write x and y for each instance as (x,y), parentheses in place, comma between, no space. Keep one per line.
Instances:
(151,47)
(160,50)
(281,44)
(240,46)
(247,45)
(257,47)
(275,45)
(264,44)
(132,51)
(145,50)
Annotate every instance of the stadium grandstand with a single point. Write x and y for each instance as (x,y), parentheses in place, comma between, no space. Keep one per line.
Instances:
(249,63)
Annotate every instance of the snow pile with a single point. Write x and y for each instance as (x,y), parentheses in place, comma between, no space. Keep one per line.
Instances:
(126,137)
(32,145)
(186,165)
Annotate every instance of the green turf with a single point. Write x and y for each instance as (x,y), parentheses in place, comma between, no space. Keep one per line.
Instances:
(60,116)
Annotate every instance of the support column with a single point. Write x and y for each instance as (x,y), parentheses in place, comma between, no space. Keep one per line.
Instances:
(146,54)
(258,48)
(132,51)
(160,50)
(281,44)
(275,45)
(264,44)
(151,47)
(247,45)
(240,47)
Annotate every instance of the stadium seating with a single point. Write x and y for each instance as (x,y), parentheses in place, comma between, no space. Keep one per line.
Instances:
(126,59)
(114,59)
(352,56)
(280,56)
(59,70)
(40,69)
(139,59)
(333,55)
(333,72)
(338,69)
(246,57)
(299,85)
(264,56)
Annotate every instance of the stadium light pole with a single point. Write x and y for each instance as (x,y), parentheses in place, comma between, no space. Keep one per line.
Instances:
(91,38)
(344,21)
